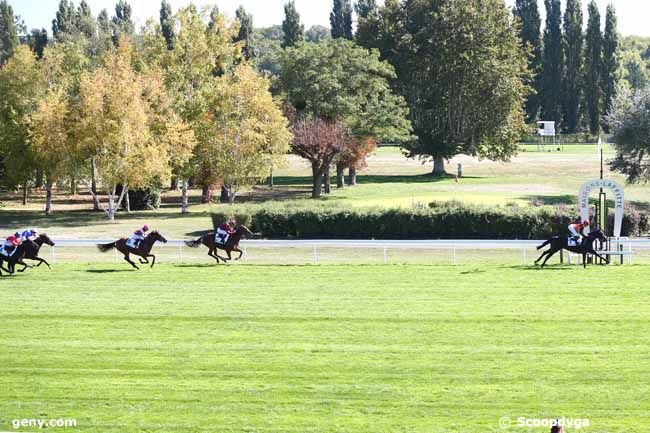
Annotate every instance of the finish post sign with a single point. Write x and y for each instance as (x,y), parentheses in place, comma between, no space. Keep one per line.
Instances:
(619,201)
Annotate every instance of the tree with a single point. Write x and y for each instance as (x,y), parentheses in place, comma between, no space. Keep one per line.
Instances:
(462,73)
(367,23)
(116,122)
(20,90)
(629,123)
(341,19)
(528,13)
(85,23)
(167,23)
(199,54)
(294,31)
(573,73)
(241,131)
(8,32)
(340,81)
(319,142)
(593,69)
(635,69)
(37,41)
(610,74)
(317,34)
(245,31)
(552,64)
(122,23)
(64,23)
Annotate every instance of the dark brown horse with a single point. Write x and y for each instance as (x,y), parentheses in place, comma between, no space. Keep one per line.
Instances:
(232,244)
(31,250)
(143,251)
(586,248)
(16,258)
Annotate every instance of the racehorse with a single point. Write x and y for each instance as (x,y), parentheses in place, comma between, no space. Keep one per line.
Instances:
(15,258)
(232,244)
(143,251)
(31,250)
(586,248)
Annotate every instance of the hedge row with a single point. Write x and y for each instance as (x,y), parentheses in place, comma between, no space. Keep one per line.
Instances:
(436,222)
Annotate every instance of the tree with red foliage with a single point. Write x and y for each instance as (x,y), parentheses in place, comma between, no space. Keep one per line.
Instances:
(353,156)
(319,142)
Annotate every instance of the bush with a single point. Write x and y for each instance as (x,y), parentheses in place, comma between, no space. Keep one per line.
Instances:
(439,221)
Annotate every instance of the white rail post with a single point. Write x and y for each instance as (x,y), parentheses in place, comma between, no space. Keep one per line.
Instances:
(245,254)
(52,254)
(180,251)
(315,254)
(453,256)
(385,255)
(115,255)
(525,257)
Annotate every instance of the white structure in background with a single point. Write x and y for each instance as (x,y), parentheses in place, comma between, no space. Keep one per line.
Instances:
(545,129)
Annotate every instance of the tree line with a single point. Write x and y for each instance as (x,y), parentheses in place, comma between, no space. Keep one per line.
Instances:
(575,69)
(211,101)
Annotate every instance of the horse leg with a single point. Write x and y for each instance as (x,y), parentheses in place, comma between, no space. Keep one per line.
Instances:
(41,261)
(584,260)
(600,257)
(542,256)
(126,257)
(241,253)
(212,253)
(25,266)
(153,259)
(550,253)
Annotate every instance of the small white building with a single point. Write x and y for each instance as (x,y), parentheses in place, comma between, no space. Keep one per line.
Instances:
(546,129)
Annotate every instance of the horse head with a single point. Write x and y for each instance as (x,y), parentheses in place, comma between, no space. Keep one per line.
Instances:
(155,236)
(45,239)
(597,235)
(244,231)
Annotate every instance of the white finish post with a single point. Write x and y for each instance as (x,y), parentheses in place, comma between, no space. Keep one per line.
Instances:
(385,255)
(245,254)
(180,251)
(315,254)
(525,257)
(453,257)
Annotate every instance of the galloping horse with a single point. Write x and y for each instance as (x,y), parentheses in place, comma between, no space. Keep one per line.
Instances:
(16,258)
(30,251)
(559,243)
(143,250)
(231,245)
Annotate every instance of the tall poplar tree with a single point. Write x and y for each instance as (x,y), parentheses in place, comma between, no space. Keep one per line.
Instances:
(593,69)
(294,31)
(341,19)
(552,63)
(573,74)
(367,23)
(167,23)
(528,13)
(8,32)
(245,31)
(610,58)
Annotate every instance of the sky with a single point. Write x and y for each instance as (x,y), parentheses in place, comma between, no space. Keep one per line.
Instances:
(632,14)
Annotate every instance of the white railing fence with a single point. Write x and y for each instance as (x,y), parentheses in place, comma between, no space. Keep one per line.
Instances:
(316,252)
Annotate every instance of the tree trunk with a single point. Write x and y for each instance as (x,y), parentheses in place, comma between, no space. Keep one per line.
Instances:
(127,201)
(173,186)
(328,181)
(225,194)
(185,202)
(25,188)
(191,181)
(206,194)
(352,176)
(317,186)
(271,178)
(111,205)
(231,196)
(340,176)
(39,180)
(48,197)
(73,185)
(93,186)
(439,166)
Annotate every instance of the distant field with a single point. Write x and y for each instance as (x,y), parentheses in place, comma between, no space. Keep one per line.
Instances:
(390,180)
(325,349)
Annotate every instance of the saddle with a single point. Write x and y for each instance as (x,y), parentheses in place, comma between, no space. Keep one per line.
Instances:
(221,238)
(6,253)
(571,242)
(133,243)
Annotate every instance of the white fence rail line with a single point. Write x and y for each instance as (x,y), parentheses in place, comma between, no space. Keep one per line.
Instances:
(454,248)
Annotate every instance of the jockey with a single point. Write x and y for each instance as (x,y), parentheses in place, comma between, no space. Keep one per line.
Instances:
(225,230)
(10,244)
(138,236)
(28,235)
(577,231)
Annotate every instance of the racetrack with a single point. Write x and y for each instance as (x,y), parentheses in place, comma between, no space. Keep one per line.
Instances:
(397,348)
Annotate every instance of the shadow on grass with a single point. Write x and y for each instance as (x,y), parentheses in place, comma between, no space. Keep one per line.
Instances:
(554,267)
(370,179)
(108,271)
(198,266)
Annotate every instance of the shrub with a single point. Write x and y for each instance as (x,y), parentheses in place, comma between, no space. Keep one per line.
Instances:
(439,221)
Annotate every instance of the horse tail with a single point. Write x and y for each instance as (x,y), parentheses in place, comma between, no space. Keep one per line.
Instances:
(194,244)
(544,244)
(106,247)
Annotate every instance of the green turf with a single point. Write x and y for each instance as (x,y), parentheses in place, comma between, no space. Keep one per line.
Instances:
(325,349)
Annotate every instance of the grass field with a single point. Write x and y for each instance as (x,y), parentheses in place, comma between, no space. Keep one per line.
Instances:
(325,349)
(390,180)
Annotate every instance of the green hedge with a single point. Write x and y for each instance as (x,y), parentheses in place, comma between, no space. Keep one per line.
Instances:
(446,221)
